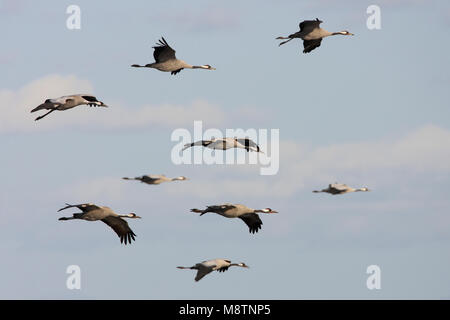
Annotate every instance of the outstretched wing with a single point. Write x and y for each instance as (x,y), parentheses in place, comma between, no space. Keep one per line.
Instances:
(149,178)
(204,143)
(121,227)
(176,71)
(223,269)
(248,143)
(307,26)
(163,51)
(90,98)
(221,208)
(203,271)
(310,45)
(338,187)
(85,207)
(253,221)
(48,104)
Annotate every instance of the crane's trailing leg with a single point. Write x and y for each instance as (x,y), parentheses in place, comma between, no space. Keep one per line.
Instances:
(66,218)
(40,117)
(282,38)
(202,212)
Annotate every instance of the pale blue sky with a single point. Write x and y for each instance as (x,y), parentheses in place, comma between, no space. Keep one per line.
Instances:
(369,110)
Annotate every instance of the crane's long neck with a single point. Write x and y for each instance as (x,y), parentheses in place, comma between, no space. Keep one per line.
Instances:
(199,67)
(184,64)
(188,66)
(343,33)
(129,215)
(242,265)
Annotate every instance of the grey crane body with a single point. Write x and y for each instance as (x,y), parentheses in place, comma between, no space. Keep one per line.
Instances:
(92,212)
(205,267)
(248,215)
(68,102)
(166,61)
(156,179)
(340,188)
(312,34)
(226,143)
(173,65)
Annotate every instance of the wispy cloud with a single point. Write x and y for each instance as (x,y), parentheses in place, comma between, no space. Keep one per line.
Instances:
(15,105)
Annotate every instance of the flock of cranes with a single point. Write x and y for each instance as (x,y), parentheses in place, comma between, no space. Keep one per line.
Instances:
(165,60)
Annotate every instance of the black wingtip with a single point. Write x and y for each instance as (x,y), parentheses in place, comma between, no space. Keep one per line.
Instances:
(255,229)
(127,238)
